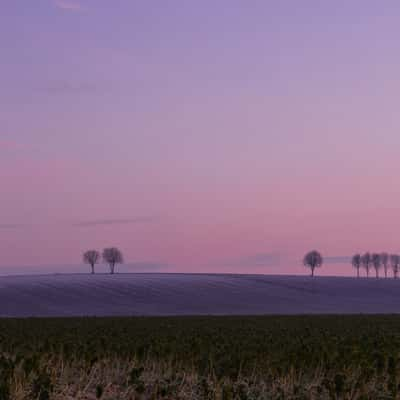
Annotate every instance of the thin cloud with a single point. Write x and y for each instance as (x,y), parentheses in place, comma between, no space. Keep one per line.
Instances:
(255,260)
(60,269)
(12,226)
(117,221)
(68,5)
(337,259)
(71,88)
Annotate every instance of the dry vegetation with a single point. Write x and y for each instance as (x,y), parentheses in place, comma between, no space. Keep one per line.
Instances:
(319,357)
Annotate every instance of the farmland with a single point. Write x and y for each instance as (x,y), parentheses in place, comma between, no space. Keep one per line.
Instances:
(203,357)
(68,295)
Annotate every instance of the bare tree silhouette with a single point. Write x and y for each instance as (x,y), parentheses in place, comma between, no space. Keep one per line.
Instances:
(366,262)
(356,262)
(91,257)
(385,262)
(376,263)
(112,256)
(313,259)
(395,262)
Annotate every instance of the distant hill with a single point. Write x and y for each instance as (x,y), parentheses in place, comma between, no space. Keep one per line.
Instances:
(193,294)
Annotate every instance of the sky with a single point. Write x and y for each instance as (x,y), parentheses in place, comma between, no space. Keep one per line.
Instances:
(208,136)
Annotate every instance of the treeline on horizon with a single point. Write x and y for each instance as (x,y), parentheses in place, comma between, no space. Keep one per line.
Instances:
(313,259)
(110,255)
(366,261)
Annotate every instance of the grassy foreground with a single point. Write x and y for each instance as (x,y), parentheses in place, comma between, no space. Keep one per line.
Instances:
(288,357)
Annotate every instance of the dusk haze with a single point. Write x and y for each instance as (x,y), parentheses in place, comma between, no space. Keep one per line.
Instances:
(200,200)
(199,136)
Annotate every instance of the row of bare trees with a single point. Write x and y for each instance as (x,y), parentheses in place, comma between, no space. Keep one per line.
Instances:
(366,261)
(110,255)
(313,259)
(376,261)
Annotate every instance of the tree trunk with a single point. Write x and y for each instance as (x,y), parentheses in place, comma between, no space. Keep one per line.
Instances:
(312,271)
(376,274)
(358,272)
(92,268)
(111,268)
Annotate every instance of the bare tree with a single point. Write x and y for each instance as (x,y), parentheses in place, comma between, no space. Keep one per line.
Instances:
(91,257)
(376,263)
(112,256)
(313,259)
(366,262)
(356,262)
(385,262)
(395,262)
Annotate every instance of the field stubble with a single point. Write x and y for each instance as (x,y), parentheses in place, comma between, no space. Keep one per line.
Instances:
(302,357)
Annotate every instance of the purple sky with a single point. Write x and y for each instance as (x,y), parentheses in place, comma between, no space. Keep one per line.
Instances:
(206,136)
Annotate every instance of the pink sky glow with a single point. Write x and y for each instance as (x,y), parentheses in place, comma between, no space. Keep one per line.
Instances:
(199,137)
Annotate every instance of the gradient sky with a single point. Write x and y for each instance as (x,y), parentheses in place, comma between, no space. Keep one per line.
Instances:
(199,136)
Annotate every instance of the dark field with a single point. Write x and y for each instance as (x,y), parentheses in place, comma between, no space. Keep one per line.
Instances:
(105,295)
(310,357)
